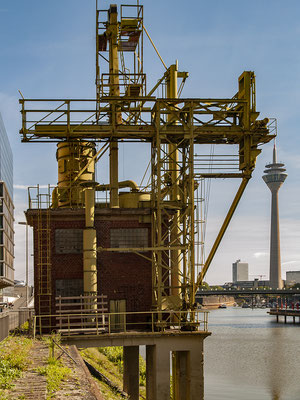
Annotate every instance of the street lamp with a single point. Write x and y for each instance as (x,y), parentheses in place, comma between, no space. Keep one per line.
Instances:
(26,261)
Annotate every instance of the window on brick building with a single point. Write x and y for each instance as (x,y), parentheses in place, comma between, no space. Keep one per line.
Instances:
(69,287)
(129,237)
(68,241)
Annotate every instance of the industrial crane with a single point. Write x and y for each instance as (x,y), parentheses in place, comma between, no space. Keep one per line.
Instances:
(124,111)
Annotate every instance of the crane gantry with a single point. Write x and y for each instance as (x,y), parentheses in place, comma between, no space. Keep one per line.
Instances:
(124,111)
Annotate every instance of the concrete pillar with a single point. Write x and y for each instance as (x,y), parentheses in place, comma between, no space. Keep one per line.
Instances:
(181,375)
(151,372)
(196,372)
(131,375)
(4,327)
(157,373)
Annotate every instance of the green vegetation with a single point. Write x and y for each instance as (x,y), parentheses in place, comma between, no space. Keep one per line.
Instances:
(13,360)
(55,373)
(204,286)
(113,354)
(216,287)
(109,361)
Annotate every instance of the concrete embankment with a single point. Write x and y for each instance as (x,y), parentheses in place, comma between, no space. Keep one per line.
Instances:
(216,301)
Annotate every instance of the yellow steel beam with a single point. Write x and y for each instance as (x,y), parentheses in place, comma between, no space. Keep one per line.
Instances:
(157,52)
(137,249)
(173,174)
(222,230)
(112,32)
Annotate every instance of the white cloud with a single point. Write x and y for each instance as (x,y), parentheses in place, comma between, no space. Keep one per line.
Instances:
(290,262)
(25,187)
(260,254)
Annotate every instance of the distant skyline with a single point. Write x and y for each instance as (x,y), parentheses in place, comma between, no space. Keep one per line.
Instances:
(48,51)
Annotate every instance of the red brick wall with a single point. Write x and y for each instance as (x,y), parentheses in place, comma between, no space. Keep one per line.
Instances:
(120,275)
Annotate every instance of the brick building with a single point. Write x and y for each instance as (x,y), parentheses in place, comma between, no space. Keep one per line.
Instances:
(125,277)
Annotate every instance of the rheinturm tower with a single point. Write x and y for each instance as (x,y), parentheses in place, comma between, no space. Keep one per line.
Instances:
(274,177)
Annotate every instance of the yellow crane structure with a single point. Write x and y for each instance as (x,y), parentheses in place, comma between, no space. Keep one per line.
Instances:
(124,111)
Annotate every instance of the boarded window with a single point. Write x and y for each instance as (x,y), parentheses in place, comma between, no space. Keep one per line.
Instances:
(68,241)
(129,237)
(69,287)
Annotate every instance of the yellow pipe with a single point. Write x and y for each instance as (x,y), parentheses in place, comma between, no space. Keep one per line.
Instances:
(174,196)
(123,184)
(89,245)
(222,230)
(114,90)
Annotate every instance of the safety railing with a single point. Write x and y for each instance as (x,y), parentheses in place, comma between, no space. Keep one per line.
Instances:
(132,85)
(90,118)
(39,197)
(94,323)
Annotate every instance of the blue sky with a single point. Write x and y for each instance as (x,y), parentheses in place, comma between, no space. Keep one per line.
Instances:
(48,51)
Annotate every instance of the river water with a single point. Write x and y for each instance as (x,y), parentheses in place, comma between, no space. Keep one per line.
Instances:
(251,357)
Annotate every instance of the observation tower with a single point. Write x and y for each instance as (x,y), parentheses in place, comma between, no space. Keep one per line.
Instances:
(274,177)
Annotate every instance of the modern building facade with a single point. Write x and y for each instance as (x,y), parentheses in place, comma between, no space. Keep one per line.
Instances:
(240,271)
(6,211)
(274,177)
(292,277)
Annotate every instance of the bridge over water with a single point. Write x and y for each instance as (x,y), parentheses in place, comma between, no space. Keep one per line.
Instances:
(247,291)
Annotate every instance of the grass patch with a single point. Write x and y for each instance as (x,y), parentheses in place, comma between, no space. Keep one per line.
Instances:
(55,373)
(114,355)
(13,360)
(109,361)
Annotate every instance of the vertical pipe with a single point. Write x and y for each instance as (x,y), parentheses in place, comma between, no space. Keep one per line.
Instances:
(174,195)
(26,264)
(192,219)
(114,90)
(89,245)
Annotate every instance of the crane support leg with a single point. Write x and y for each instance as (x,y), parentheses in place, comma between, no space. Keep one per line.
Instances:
(222,230)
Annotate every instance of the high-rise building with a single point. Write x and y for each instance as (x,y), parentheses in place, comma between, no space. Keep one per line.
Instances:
(6,211)
(274,177)
(239,271)
(292,277)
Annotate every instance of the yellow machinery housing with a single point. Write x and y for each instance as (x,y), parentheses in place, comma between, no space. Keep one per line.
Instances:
(76,166)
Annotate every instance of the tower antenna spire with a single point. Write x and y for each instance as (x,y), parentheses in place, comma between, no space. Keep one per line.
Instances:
(274,152)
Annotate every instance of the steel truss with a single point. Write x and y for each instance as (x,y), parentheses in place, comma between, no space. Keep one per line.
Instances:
(173,221)
(176,124)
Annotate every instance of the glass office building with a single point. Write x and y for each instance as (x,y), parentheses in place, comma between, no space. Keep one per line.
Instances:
(6,210)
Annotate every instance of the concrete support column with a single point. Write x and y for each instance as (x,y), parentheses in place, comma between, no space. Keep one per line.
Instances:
(158,373)
(181,375)
(131,371)
(196,372)
(151,372)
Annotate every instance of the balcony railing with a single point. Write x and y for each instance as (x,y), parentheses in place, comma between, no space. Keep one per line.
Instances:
(95,324)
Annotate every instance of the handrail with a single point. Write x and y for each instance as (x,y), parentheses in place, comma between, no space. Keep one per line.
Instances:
(96,323)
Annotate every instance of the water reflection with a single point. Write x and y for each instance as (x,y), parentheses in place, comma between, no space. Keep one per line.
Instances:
(250,356)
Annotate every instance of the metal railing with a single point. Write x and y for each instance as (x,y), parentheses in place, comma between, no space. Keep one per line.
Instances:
(96,324)
(55,118)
